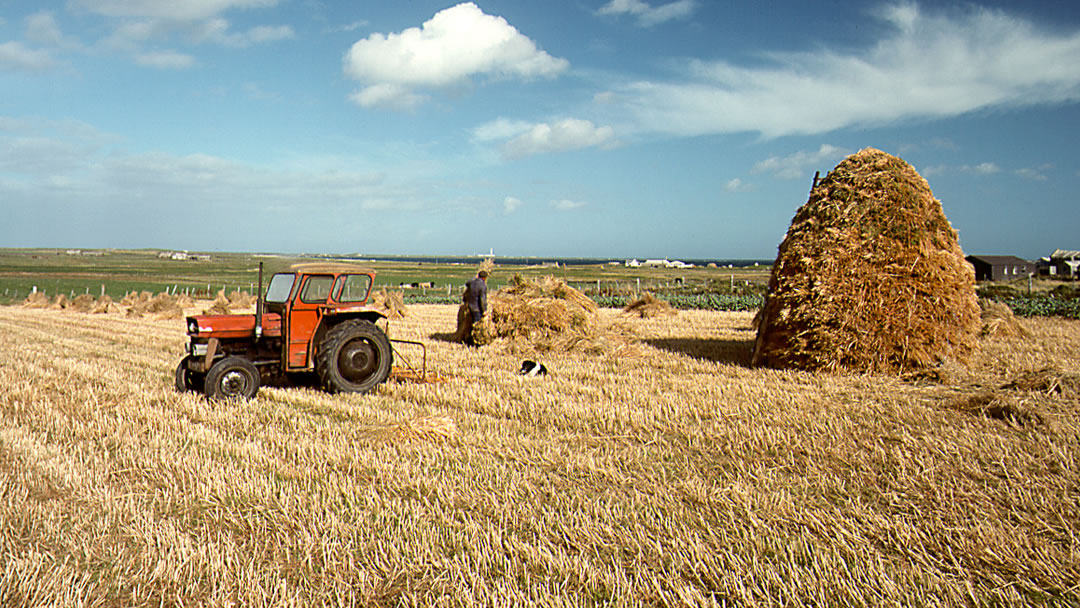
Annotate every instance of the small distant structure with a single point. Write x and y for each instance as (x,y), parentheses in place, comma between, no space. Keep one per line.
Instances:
(1062,263)
(664,263)
(1000,267)
(84,252)
(633,263)
(182,256)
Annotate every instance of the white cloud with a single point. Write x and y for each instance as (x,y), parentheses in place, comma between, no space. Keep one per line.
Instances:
(985,169)
(1032,173)
(165,60)
(736,185)
(457,43)
(179,10)
(501,128)
(563,135)
(567,204)
(42,29)
(923,66)
(511,204)
(802,162)
(217,31)
(388,96)
(17,56)
(648,15)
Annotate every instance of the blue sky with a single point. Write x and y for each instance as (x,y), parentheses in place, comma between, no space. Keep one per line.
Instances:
(621,128)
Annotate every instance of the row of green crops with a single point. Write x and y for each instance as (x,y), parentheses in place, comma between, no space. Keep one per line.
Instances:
(1024,307)
(698,301)
(1043,307)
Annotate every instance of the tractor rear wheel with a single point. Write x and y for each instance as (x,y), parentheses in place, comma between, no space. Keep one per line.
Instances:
(187,380)
(354,357)
(232,378)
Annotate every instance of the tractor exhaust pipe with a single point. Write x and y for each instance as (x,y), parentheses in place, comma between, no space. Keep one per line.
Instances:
(259,307)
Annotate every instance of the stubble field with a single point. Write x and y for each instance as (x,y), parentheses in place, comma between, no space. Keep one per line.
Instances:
(667,473)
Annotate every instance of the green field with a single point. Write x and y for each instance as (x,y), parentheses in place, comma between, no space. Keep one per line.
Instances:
(116,272)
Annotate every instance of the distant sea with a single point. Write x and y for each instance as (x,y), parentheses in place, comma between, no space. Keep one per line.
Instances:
(536,261)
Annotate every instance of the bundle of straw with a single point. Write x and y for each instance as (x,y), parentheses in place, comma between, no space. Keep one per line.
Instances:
(649,306)
(36,299)
(998,321)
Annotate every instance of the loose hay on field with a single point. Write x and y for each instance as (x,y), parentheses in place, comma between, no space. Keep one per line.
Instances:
(870,277)
(669,480)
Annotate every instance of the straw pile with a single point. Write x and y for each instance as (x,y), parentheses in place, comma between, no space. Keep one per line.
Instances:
(391,303)
(162,306)
(547,314)
(998,321)
(220,306)
(59,303)
(36,299)
(869,278)
(103,305)
(82,303)
(649,306)
(241,299)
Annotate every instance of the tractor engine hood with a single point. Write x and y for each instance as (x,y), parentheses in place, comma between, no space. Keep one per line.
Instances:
(232,326)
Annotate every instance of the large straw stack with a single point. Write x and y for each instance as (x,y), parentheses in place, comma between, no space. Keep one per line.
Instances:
(869,278)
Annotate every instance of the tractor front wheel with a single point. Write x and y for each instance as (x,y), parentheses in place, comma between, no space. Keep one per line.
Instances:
(232,378)
(354,357)
(187,380)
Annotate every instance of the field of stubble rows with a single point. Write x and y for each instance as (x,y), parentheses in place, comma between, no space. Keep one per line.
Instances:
(666,474)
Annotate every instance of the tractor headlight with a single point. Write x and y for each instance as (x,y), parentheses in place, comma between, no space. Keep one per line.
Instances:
(192,327)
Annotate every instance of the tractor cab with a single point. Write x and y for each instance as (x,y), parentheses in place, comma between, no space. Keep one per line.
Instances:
(313,318)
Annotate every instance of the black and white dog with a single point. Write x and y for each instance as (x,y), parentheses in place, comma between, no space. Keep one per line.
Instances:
(532,368)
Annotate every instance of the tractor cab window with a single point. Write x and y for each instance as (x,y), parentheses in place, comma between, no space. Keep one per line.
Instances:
(353,287)
(316,289)
(280,287)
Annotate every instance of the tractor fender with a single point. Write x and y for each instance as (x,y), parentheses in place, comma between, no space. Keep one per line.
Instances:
(331,318)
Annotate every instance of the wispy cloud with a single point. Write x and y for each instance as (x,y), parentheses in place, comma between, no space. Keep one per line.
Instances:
(801,163)
(567,204)
(16,56)
(455,45)
(647,14)
(165,60)
(925,65)
(559,136)
(511,204)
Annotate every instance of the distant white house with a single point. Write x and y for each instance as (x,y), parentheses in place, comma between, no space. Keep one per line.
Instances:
(664,263)
(184,255)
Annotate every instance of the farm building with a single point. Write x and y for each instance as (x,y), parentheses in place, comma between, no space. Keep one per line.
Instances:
(1062,262)
(1000,267)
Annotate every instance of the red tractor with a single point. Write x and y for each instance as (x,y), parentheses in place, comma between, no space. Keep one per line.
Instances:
(312,319)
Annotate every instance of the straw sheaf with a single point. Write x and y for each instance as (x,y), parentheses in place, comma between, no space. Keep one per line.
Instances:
(998,321)
(870,277)
(649,306)
(392,303)
(36,300)
(220,306)
(547,315)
